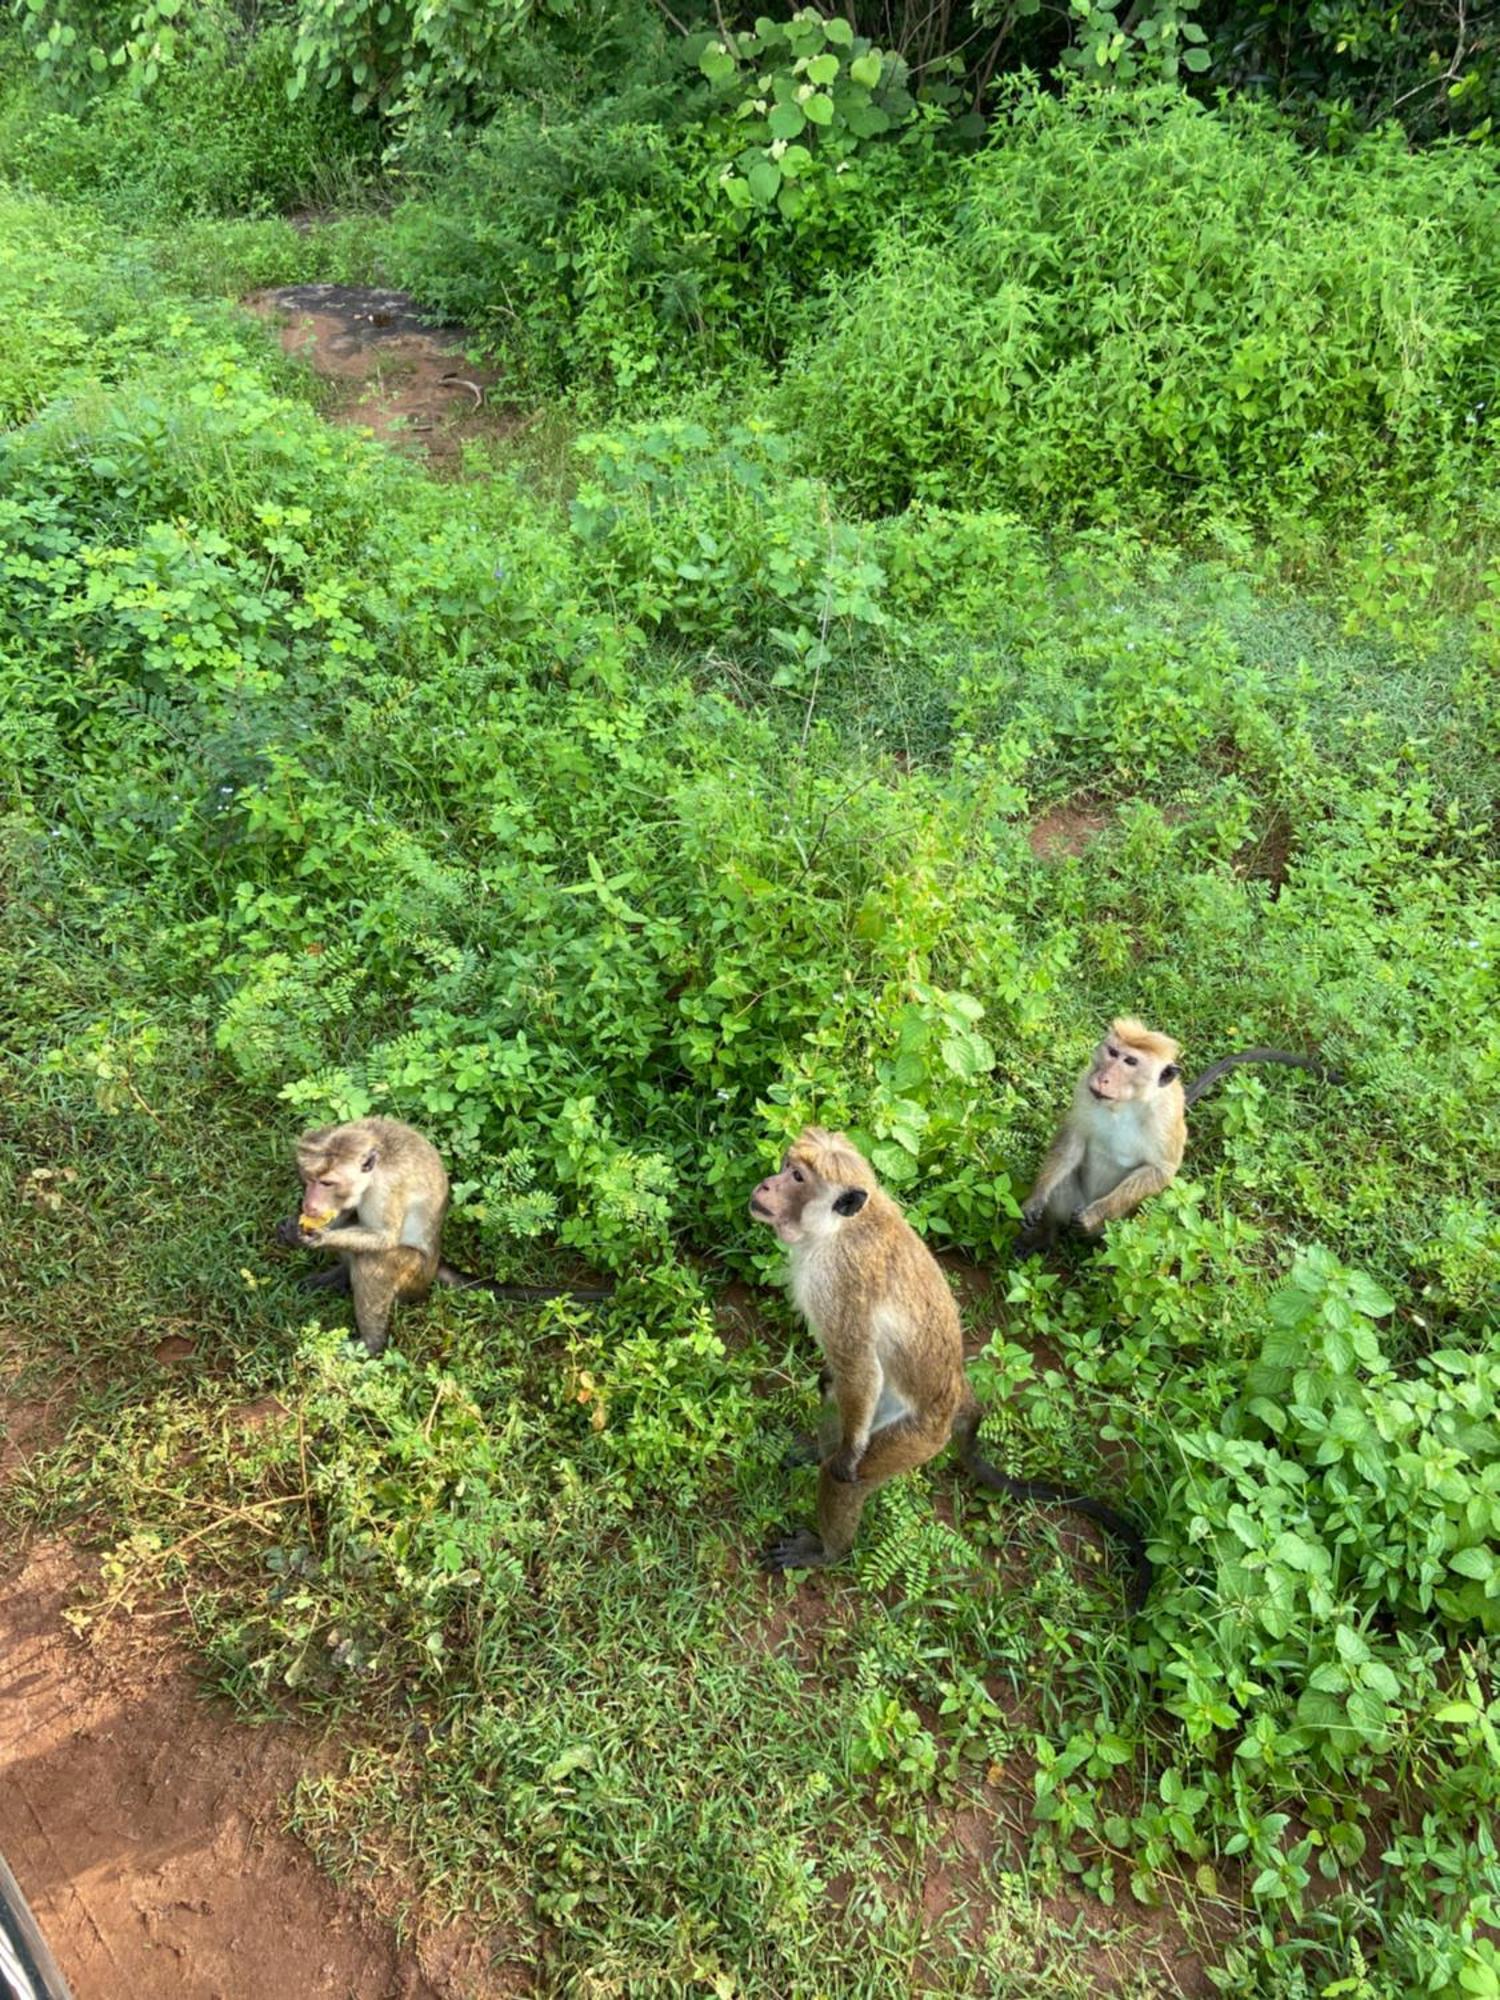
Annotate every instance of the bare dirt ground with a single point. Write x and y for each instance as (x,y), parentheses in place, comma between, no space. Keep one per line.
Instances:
(143,1826)
(1065,830)
(400,376)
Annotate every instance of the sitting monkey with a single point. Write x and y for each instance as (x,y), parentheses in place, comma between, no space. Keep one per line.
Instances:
(1124,1138)
(375,1192)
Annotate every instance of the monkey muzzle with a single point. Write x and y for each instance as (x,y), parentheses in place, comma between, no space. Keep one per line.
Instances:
(759,1209)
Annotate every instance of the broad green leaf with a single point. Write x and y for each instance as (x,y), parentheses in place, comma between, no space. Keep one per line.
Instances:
(1368,1297)
(1328,1679)
(1299,1554)
(1351,1648)
(1379,1679)
(1367,1713)
(1476,1562)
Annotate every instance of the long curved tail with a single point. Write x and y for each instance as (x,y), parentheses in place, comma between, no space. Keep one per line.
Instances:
(522,1294)
(1114,1524)
(1225,1064)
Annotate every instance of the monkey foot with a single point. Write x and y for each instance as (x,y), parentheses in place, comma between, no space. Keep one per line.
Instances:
(802,1551)
(335,1279)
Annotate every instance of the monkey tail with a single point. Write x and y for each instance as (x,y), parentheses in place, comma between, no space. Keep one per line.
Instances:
(1109,1519)
(1225,1064)
(522,1294)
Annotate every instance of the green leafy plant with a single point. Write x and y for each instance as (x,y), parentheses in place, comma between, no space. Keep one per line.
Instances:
(807,96)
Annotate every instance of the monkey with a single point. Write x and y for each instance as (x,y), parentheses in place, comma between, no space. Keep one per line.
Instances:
(1124,1138)
(880,1308)
(375,1192)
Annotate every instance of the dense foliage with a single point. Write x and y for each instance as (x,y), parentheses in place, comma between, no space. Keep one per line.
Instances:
(987,591)
(422,69)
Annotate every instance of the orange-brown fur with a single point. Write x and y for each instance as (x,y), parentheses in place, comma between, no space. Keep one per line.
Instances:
(1125,1136)
(881,1310)
(375,1192)
(1123,1139)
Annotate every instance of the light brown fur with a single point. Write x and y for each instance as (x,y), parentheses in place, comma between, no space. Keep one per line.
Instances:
(375,1192)
(1122,1141)
(881,1310)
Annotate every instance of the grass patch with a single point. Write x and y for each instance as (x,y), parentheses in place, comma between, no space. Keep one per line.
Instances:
(607,822)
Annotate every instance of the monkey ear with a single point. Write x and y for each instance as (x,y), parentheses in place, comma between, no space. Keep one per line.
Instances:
(368,1166)
(1169,1073)
(851,1201)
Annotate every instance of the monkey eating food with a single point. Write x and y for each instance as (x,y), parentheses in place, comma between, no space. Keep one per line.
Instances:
(1124,1137)
(375,1192)
(880,1308)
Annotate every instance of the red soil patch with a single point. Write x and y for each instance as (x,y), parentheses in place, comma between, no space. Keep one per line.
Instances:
(1066,829)
(408,381)
(143,1826)
(26,1427)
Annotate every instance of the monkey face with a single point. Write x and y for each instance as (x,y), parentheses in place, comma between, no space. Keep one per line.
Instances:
(1122,1072)
(811,1195)
(334,1178)
(322,1203)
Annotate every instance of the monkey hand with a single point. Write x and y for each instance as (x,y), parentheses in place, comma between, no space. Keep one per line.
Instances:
(1033,1210)
(1088,1220)
(843,1465)
(289,1232)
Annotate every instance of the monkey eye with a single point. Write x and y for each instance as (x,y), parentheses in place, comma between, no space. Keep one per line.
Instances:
(1113,1054)
(796,1173)
(1131,1061)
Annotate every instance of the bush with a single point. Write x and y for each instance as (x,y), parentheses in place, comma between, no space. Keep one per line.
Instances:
(213,134)
(1140,309)
(617,242)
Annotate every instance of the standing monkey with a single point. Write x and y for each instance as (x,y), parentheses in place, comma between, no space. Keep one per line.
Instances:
(375,1192)
(1124,1138)
(880,1308)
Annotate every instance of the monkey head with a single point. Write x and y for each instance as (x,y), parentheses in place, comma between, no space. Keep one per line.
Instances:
(1130,1063)
(336,1164)
(822,1183)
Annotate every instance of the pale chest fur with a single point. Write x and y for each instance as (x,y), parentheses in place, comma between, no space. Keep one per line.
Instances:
(808,1276)
(1121,1140)
(1118,1141)
(821,1290)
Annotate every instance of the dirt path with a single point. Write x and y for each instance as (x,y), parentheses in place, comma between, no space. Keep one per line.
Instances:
(142,1824)
(405,378)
